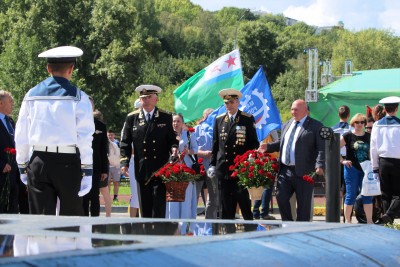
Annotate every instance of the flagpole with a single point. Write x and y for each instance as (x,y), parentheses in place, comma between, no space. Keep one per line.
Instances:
(237,27)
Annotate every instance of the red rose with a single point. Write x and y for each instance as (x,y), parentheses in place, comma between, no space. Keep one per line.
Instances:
(242,170)
(234,174)
(261,172)
(275,167)
(251,175)
(232,167)
(13,151)
(191,130)
(308,179)
(200,160)
(251,168)
(246,163)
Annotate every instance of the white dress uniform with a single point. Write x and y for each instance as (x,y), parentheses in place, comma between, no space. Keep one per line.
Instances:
(54,140)
(385,158)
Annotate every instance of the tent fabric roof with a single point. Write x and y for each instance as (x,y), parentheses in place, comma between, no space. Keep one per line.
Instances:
(367,81)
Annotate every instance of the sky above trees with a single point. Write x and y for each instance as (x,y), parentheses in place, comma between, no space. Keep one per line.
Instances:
(356,14)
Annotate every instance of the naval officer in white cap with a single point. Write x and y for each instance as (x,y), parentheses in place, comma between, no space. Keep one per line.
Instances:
(150,131)
(54,138)
(385,157)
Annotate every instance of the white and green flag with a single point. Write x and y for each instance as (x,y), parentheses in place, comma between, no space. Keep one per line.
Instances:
(201,90)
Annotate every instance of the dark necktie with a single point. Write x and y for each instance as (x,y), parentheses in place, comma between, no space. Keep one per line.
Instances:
(290,142)
(231,120)
(148,117)
(9,126)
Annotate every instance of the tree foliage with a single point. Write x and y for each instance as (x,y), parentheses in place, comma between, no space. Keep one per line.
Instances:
(131,42)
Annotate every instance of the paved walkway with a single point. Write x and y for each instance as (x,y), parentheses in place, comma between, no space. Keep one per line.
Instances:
(123,211)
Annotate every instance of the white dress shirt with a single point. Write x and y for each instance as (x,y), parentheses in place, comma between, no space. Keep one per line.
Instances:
(385,140)
(286,138)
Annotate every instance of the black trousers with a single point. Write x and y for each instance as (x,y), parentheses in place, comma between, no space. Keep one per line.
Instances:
(10,203)
(52,175)
(289,183)
(390,185)
(91,201)
(233,194)
(152,199)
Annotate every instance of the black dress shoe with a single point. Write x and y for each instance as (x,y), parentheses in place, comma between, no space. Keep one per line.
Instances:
(385,219)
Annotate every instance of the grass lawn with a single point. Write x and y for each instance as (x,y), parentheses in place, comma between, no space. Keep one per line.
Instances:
(123,190)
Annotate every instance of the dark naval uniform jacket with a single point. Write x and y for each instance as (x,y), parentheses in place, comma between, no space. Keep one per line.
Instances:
(152,142)
(232,140)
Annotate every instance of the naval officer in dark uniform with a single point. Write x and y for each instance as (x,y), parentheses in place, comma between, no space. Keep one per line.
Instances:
(385,157)
(55,124)
(234,134)
(150,131)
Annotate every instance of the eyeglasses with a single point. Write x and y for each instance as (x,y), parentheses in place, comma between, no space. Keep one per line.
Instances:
(359,122)
(368,128)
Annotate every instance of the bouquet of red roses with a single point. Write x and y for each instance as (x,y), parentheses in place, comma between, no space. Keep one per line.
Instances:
(255,169)
(176,172)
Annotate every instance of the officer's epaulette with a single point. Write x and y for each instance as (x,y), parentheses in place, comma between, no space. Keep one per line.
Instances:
(246,114)
(219,116)
(164,111)
(134,112)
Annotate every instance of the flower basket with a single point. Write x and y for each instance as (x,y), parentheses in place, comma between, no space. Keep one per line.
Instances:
(176,191)
(254,169)
(256,192)
(176,177)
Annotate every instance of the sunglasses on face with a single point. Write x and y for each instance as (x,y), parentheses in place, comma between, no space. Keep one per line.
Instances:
(359,122)
(368,128)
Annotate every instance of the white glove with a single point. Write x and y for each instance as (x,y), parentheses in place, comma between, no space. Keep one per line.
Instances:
(24,178)
(86,185)
(376,176)
(211,172)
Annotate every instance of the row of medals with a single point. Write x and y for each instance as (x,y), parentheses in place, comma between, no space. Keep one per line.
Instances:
(240,135)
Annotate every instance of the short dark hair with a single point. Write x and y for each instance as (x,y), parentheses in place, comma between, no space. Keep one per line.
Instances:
(57,67)
(370,119)
(391,107)
(110,131)
(344,112)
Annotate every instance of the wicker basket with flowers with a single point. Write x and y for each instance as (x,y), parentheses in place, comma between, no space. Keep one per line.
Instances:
(176,177)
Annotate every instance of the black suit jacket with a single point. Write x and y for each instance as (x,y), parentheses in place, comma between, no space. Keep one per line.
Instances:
(100,148)
(309,147)
(230,141)
(152,142)
(7,141)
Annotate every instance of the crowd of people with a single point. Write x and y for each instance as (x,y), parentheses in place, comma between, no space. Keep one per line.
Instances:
(65,154)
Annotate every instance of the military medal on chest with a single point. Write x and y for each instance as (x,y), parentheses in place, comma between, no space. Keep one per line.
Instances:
(240,135)
(141,119)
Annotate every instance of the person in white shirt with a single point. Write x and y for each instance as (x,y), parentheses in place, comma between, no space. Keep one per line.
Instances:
(385,157)
(53,138)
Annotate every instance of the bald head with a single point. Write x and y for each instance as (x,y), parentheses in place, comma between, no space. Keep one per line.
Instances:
(299,109)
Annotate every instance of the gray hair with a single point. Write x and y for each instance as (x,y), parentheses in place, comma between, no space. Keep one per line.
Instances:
(4,93)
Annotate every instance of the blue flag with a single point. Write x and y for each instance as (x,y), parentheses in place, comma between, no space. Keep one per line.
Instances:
(258,101)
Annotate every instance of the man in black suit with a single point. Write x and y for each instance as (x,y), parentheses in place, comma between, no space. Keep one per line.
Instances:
(234,134)
(150,131)
(302,152)
(9,200)
(100,165)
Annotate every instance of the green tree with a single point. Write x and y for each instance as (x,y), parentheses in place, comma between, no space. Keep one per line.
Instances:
(368,49)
